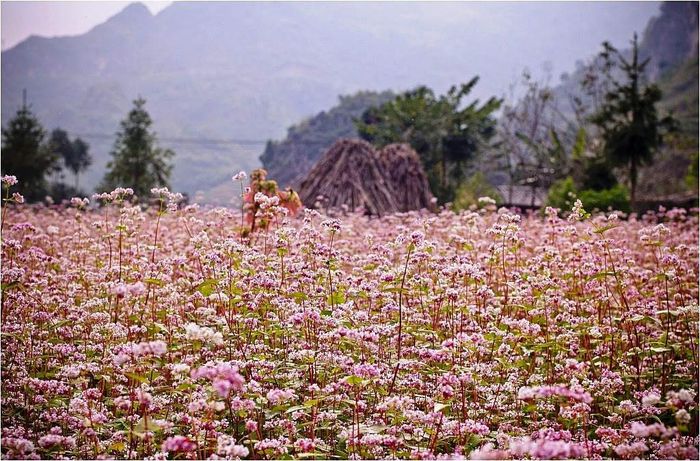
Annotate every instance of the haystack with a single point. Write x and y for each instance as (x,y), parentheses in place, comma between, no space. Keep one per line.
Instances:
(402,166)
(349,174)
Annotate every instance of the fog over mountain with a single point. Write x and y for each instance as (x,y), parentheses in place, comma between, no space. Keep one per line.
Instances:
(221,78)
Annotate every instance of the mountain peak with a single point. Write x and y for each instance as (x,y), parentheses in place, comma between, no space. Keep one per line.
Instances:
(134,13)
(135,9)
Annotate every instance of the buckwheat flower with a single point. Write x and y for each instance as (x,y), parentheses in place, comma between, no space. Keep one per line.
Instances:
(332,225)
(682,417)
(417,237)
(120,290)
(222,387)
(143,397)
(260,198)
(157,348)
(219,297)
(17,197)
(488,452)
(651,399)
(203,334)
(79,202)
(632,450)
(276,396)
(52,230)
(136,289)
(9,180)
(160,191)
(577,212)
(686,395)
(178,443)
(120,359)
(240,176)
(238,451)
(304,445)
(181,368)
(121,193)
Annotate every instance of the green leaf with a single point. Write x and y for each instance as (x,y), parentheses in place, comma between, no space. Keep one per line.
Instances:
(11,285)
(137,377)
(440,406)
(603,229)
(295,408)
(338,297)
(207,287)
(354,380)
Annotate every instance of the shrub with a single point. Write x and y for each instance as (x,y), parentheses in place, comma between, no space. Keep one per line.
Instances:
(469,192)
(616,197)
(563,194)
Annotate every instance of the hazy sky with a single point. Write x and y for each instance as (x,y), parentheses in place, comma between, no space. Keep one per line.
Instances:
(49,19)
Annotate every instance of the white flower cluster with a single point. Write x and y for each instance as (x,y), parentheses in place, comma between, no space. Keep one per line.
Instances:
(266,202)
(80,203)
(118,194)
(228,449)
(206,335)
(577,212)
(8,180)
(171,198)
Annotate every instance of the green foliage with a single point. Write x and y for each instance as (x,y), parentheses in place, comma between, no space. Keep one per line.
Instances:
(293,157)
(597,175)
(445,132)
(616,198)
(469,192)
(631,128)
(25,156)
(137,162)
(564,193)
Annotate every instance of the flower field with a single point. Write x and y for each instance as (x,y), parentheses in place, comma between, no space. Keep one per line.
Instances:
(164,333)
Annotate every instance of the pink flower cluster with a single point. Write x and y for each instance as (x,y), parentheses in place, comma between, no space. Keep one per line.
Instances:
(576,394)
(135,333)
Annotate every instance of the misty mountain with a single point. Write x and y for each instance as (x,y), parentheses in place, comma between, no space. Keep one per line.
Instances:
(222,78)
(670,43)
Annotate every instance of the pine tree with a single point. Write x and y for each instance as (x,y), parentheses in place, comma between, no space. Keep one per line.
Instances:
(631,128)
(137,162)
(25,156)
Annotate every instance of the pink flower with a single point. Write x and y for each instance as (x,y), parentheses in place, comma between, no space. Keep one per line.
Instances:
(178,443)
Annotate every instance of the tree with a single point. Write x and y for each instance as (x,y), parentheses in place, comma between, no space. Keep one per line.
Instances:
(528,139)
(74,153)
(446,133)
(25,156)
(631,129)
(137,162)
